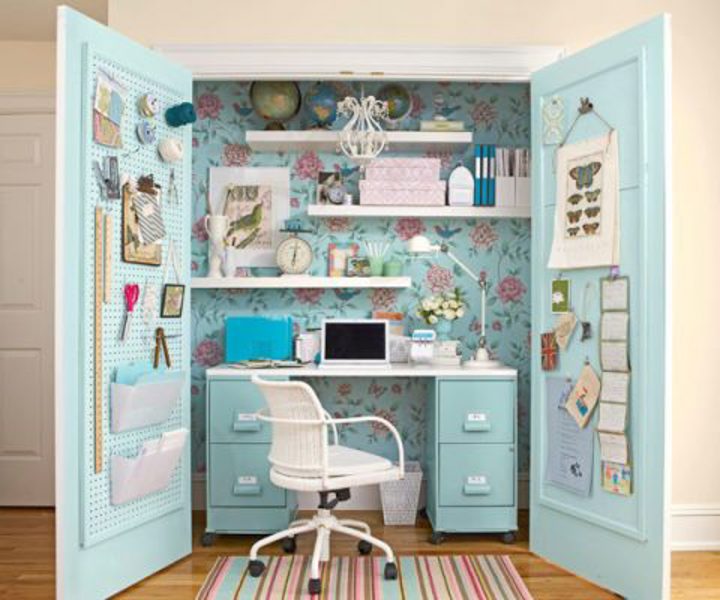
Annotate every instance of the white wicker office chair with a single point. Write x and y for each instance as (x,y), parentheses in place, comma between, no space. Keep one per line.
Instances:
(303,460)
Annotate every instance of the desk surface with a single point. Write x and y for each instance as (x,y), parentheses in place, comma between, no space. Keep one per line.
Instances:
(394,370)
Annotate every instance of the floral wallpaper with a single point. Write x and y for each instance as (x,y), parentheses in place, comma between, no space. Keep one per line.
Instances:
(498,113)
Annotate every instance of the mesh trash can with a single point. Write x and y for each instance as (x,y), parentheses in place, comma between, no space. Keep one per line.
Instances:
(400,498)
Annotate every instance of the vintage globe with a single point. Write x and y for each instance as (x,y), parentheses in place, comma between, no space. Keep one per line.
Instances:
(398,100)
(275,101)
(321,102)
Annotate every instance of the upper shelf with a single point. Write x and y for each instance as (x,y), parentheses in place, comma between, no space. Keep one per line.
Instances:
(299,282)
(326,141)
(441,212)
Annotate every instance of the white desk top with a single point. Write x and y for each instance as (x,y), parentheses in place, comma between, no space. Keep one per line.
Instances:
(394,370)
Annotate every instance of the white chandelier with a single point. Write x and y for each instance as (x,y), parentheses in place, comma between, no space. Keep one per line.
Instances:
(362,138)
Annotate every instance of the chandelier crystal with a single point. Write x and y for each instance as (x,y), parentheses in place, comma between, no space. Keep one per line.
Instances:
(362,138)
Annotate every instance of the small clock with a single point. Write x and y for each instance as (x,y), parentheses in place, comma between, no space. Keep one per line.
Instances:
(294,256)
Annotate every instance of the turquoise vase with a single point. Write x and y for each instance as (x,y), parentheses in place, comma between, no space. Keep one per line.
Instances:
(442,329)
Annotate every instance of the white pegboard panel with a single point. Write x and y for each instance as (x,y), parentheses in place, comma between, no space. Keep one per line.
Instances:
(99,519)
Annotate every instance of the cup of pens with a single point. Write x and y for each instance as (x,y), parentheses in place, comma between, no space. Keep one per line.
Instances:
(376,252)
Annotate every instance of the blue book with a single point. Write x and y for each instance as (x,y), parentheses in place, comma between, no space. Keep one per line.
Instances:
(491,175)
(484,188)
(478,174)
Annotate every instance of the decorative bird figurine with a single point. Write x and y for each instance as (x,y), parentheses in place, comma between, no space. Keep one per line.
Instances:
(243,111)
(346,295)
(445,232)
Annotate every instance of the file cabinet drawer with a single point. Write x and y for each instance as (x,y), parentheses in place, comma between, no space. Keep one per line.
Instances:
(477,475)
(232,406)
(241,476)
(477,411)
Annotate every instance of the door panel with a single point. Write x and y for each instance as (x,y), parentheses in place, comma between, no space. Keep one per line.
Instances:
(103,548)
(626,79)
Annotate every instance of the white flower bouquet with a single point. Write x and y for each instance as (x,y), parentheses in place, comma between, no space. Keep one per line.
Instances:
(448,306)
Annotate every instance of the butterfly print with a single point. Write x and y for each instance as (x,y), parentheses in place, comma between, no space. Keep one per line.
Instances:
(573,231)
(575,198)
(593,211)
(591,228)
(574,215)
(592,196)
(583,175)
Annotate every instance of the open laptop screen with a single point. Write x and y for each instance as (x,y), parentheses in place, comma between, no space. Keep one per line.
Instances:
(355,341)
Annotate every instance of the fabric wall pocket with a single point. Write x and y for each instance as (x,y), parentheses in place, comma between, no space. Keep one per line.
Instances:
(151,226)
(150,471)
(147,402)
(135,249)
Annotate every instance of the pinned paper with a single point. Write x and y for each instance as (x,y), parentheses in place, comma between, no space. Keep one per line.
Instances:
(614,326)
(615,387)
(616,478)
(584,397)
(613,447)
(560,296)
(548,351)
(564,327)
(614,294)
(614,356)
(613,417)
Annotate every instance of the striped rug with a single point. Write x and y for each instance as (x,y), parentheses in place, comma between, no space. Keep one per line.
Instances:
(483,577)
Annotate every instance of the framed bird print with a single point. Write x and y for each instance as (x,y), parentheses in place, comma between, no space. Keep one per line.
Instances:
(256,202)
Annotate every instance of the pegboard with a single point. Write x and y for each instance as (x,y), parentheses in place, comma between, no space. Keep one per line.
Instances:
(99,519)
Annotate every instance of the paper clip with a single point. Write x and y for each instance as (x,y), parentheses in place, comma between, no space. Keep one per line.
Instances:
(614,272)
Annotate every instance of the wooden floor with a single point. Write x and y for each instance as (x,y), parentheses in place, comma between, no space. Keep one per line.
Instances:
(27,560)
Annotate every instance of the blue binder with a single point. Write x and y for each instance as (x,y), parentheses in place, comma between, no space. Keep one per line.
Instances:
(256,338)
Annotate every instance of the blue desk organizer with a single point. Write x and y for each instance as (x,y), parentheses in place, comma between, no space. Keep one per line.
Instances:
(253,338)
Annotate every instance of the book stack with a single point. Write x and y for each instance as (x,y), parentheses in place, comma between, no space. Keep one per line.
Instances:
(403,182)
(501,176)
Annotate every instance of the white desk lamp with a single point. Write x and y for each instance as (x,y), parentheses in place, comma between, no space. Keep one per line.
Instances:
(419,244)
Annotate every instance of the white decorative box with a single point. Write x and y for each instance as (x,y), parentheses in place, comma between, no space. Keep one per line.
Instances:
(505,191)
(406,169)
(402,193)
(522,191)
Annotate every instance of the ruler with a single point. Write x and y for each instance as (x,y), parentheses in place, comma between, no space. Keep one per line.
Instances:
(107,253)
(97,343)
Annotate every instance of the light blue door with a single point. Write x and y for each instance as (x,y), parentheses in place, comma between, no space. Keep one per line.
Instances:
(105,542)
(618,542)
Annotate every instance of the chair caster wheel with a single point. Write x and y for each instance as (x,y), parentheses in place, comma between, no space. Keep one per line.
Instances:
(509,537)
(256,568)
(390,571)
(207,539)
(437,538)
(364,547)
(314,586)
(289,545)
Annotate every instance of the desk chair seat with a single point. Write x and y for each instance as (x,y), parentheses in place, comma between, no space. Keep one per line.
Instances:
(303,460)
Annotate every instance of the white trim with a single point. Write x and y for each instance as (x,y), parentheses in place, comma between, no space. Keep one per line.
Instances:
(358,61)
(383,211)
(695,527)
(299,282)
(14,103)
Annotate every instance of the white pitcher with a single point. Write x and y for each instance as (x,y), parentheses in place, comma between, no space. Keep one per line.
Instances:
(216,227)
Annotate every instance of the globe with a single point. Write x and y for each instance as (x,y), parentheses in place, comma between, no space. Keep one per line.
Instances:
(275,101)
(398,99)
(321,102)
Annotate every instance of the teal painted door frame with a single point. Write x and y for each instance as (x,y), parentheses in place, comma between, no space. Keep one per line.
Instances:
(620,543)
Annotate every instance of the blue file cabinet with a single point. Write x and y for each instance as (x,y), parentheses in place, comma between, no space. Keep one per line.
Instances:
(471,456)
(240,496)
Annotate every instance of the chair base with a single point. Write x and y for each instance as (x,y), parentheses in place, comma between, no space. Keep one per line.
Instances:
(323,524)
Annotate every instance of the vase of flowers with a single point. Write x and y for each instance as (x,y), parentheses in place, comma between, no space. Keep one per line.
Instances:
(441,310)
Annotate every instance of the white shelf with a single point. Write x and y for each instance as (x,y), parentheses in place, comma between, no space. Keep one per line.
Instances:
(326,141)
(443,212)
(299,281)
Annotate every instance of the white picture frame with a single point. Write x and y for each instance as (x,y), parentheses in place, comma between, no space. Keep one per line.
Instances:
(273,185)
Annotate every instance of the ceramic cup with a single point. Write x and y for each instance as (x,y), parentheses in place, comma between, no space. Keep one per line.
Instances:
(393,268)
(376,266)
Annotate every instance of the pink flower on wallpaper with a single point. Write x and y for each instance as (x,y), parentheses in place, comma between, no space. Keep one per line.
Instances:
(305,296)
(497,326)
(308,165)
(236,155)
(408,227)
(198,230)
(510,289)
(344,389)
(194,266)
(295,202)
(383,414)
(396,388)
(337,224)
(383,299)
(439,279)
(484,113)
(208,106)
(208,353)
(194,390)
(475,325)
(446,159)
(417,105)
(376,390)
(195,142)
(483,235)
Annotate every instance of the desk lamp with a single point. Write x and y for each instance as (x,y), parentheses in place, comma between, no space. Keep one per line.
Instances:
(419,244)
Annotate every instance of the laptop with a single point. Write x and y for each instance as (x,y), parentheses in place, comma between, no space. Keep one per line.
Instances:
(358,342)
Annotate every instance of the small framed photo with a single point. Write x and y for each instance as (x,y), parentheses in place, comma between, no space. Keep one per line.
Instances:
(560,296)
(338,257)
(325,181)
(358,267)
(172,301)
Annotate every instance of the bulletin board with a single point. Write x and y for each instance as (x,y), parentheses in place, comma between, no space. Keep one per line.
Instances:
(99,518)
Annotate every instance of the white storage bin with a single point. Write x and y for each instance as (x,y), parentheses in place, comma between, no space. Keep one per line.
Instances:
(144,403)
(400,498)
(505,191)
(150,471)
(522,191)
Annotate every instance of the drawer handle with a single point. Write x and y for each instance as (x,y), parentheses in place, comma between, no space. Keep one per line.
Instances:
(246,423)
(471,489)
(476,422)
(247,486)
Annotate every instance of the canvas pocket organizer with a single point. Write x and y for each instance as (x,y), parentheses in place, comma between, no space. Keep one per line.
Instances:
(147,402)
(148,472)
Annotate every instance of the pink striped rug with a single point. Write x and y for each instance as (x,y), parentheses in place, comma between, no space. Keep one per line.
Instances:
(483,577)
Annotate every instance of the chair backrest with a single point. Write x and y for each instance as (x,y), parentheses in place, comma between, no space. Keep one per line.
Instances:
(299,432)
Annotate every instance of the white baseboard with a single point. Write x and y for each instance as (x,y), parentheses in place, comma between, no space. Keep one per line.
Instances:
(695,527)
